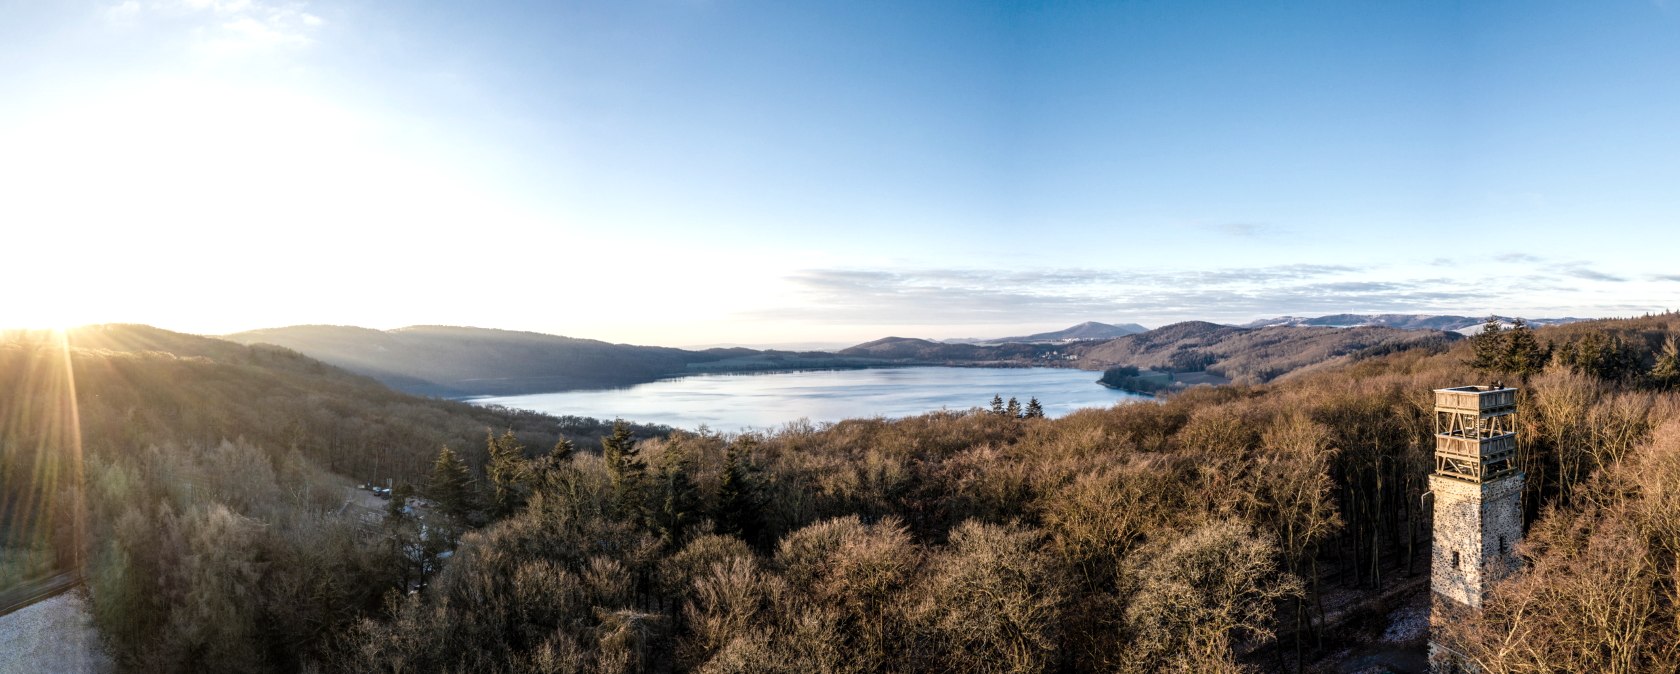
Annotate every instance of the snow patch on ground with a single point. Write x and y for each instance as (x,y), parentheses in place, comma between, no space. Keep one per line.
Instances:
(1408,624)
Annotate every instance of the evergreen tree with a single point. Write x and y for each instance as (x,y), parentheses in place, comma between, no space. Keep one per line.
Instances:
(1014,408)
(451,487)
(1513,350)
(626,470)
(563,450)
(1488,347)
(997,405)
(1603,356)
(1522,353)
(1666,373)
(738,499)
(508,472)
(1034,409)
(679,499)
(546,471)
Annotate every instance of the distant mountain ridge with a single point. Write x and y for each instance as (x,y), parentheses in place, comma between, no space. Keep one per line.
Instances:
(1088,330)
(1460,324)
(1083,331)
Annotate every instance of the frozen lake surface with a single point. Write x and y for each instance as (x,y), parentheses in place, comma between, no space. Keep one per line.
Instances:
(732,402)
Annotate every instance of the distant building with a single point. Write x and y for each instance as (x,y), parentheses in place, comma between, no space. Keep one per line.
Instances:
(1478,506)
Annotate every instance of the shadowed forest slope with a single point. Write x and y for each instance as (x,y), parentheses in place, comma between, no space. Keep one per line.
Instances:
(457,361)
(451,361)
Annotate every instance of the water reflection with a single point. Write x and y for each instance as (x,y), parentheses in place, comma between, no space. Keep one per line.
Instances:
(730,402)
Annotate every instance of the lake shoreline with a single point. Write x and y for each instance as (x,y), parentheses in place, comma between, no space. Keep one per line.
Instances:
(1001,365)
(762,399)
(1151,394)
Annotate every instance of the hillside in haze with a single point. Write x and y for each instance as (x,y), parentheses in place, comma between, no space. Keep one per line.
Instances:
(440,360)
(1088,330)
(461,361)
(1251,354)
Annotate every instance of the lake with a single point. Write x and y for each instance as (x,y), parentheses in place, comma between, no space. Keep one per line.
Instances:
(733,402)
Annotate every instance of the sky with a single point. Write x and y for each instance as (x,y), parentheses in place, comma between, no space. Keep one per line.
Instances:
(695,172)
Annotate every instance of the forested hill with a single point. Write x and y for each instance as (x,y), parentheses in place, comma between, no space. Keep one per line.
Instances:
(448,361)
(1460,324)
(912,349)
(1251,354)
(462,361)
(137,385)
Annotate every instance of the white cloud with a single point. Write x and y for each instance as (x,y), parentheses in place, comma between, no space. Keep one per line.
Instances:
(123,13)
(222,28)
(246,32)
(990,297)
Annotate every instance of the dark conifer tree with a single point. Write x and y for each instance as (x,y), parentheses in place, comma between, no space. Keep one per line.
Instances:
(563,450)
(627,471)
(679,499)
(546,470)
(1014,408)
(1666,373)
(738,498)
(997,404)
(451,487)
(1488,347)
(1522,353)
(1034,409)
(508,473)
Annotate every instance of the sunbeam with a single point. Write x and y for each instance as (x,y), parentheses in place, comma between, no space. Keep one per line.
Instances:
(42,515)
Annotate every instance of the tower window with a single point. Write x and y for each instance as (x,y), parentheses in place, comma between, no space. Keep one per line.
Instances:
(1501,545)
(1455,559)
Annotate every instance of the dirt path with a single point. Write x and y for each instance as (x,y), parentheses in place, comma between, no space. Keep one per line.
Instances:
(52,636)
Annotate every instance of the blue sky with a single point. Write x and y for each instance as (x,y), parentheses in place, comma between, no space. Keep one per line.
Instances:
(708,171)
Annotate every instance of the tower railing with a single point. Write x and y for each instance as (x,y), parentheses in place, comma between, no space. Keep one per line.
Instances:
(1475,432)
